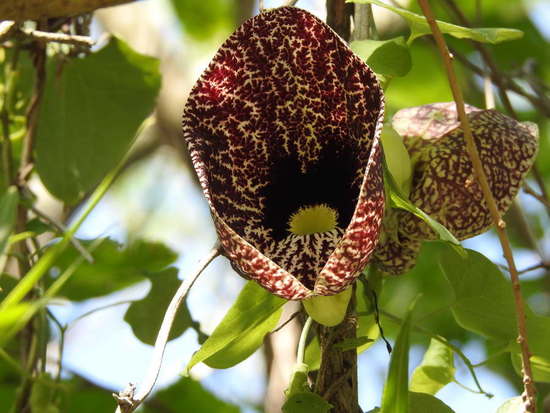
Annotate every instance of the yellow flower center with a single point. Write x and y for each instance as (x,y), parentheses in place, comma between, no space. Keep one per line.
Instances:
(313,219)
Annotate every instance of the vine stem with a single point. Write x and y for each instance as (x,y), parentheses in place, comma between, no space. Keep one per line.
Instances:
(446,343)
(127,400)
(300,355)
(529,388)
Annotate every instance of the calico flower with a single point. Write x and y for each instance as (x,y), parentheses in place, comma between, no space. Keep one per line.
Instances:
(443,182)
(283,131)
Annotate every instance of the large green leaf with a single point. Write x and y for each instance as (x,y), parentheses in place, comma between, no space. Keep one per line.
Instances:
(436,370)
(246,345)
(426,403)
(483,297)
(484,303)
(91,110)
(8,210)
(253,306)
(419,26)
(145,316)
(389,58)
(113,268)
(395,398)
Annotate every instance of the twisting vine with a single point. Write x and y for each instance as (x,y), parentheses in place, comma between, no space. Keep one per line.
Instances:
(499,224)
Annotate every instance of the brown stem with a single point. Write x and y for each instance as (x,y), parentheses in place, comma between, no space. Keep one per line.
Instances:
(20,10)
(506,82)
(339,17)
(339,366)
(530,391)
(32,112)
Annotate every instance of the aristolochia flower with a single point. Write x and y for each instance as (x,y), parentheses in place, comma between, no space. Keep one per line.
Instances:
(283,131)
(443,182)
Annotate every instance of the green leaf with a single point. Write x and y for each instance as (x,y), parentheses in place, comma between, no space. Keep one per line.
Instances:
(83,398)
(328,310)
(397,159)
(435,371)
(351,343)
(246,345)
(389,58)
(513,405)
(204,18)
(397,200)
(540,367)
(484,304)
(11,316)
(113,268)
(426,403)
(8,212)
(313,355)
(483,297)
(145,316)
(395,398)
(90,112)
(419,26)
(42,395)
(298,380)
(188,395)
(306,402)
(253,306)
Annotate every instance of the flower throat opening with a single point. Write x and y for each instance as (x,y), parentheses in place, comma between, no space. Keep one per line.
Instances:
(316,200)
(313,219)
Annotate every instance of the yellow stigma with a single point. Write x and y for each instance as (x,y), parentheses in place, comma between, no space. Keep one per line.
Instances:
(312,219)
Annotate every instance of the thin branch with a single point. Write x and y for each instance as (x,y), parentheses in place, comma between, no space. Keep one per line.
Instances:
(47,37)
(21,10)
(7,28)
(538,197)
(292,317)
(534,267)
(95,310)
(62,229)
(127,400)
(530,391)
(32,112)
(443,341)
(506,82)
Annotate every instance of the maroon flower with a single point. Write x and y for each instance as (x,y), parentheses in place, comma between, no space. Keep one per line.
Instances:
(443,182)
(283,131)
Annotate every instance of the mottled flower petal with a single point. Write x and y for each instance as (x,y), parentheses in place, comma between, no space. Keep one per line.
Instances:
(444,185)
(420,125)
(396,252)
(287,117)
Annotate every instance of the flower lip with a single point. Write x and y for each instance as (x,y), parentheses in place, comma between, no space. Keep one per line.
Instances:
(286,117)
